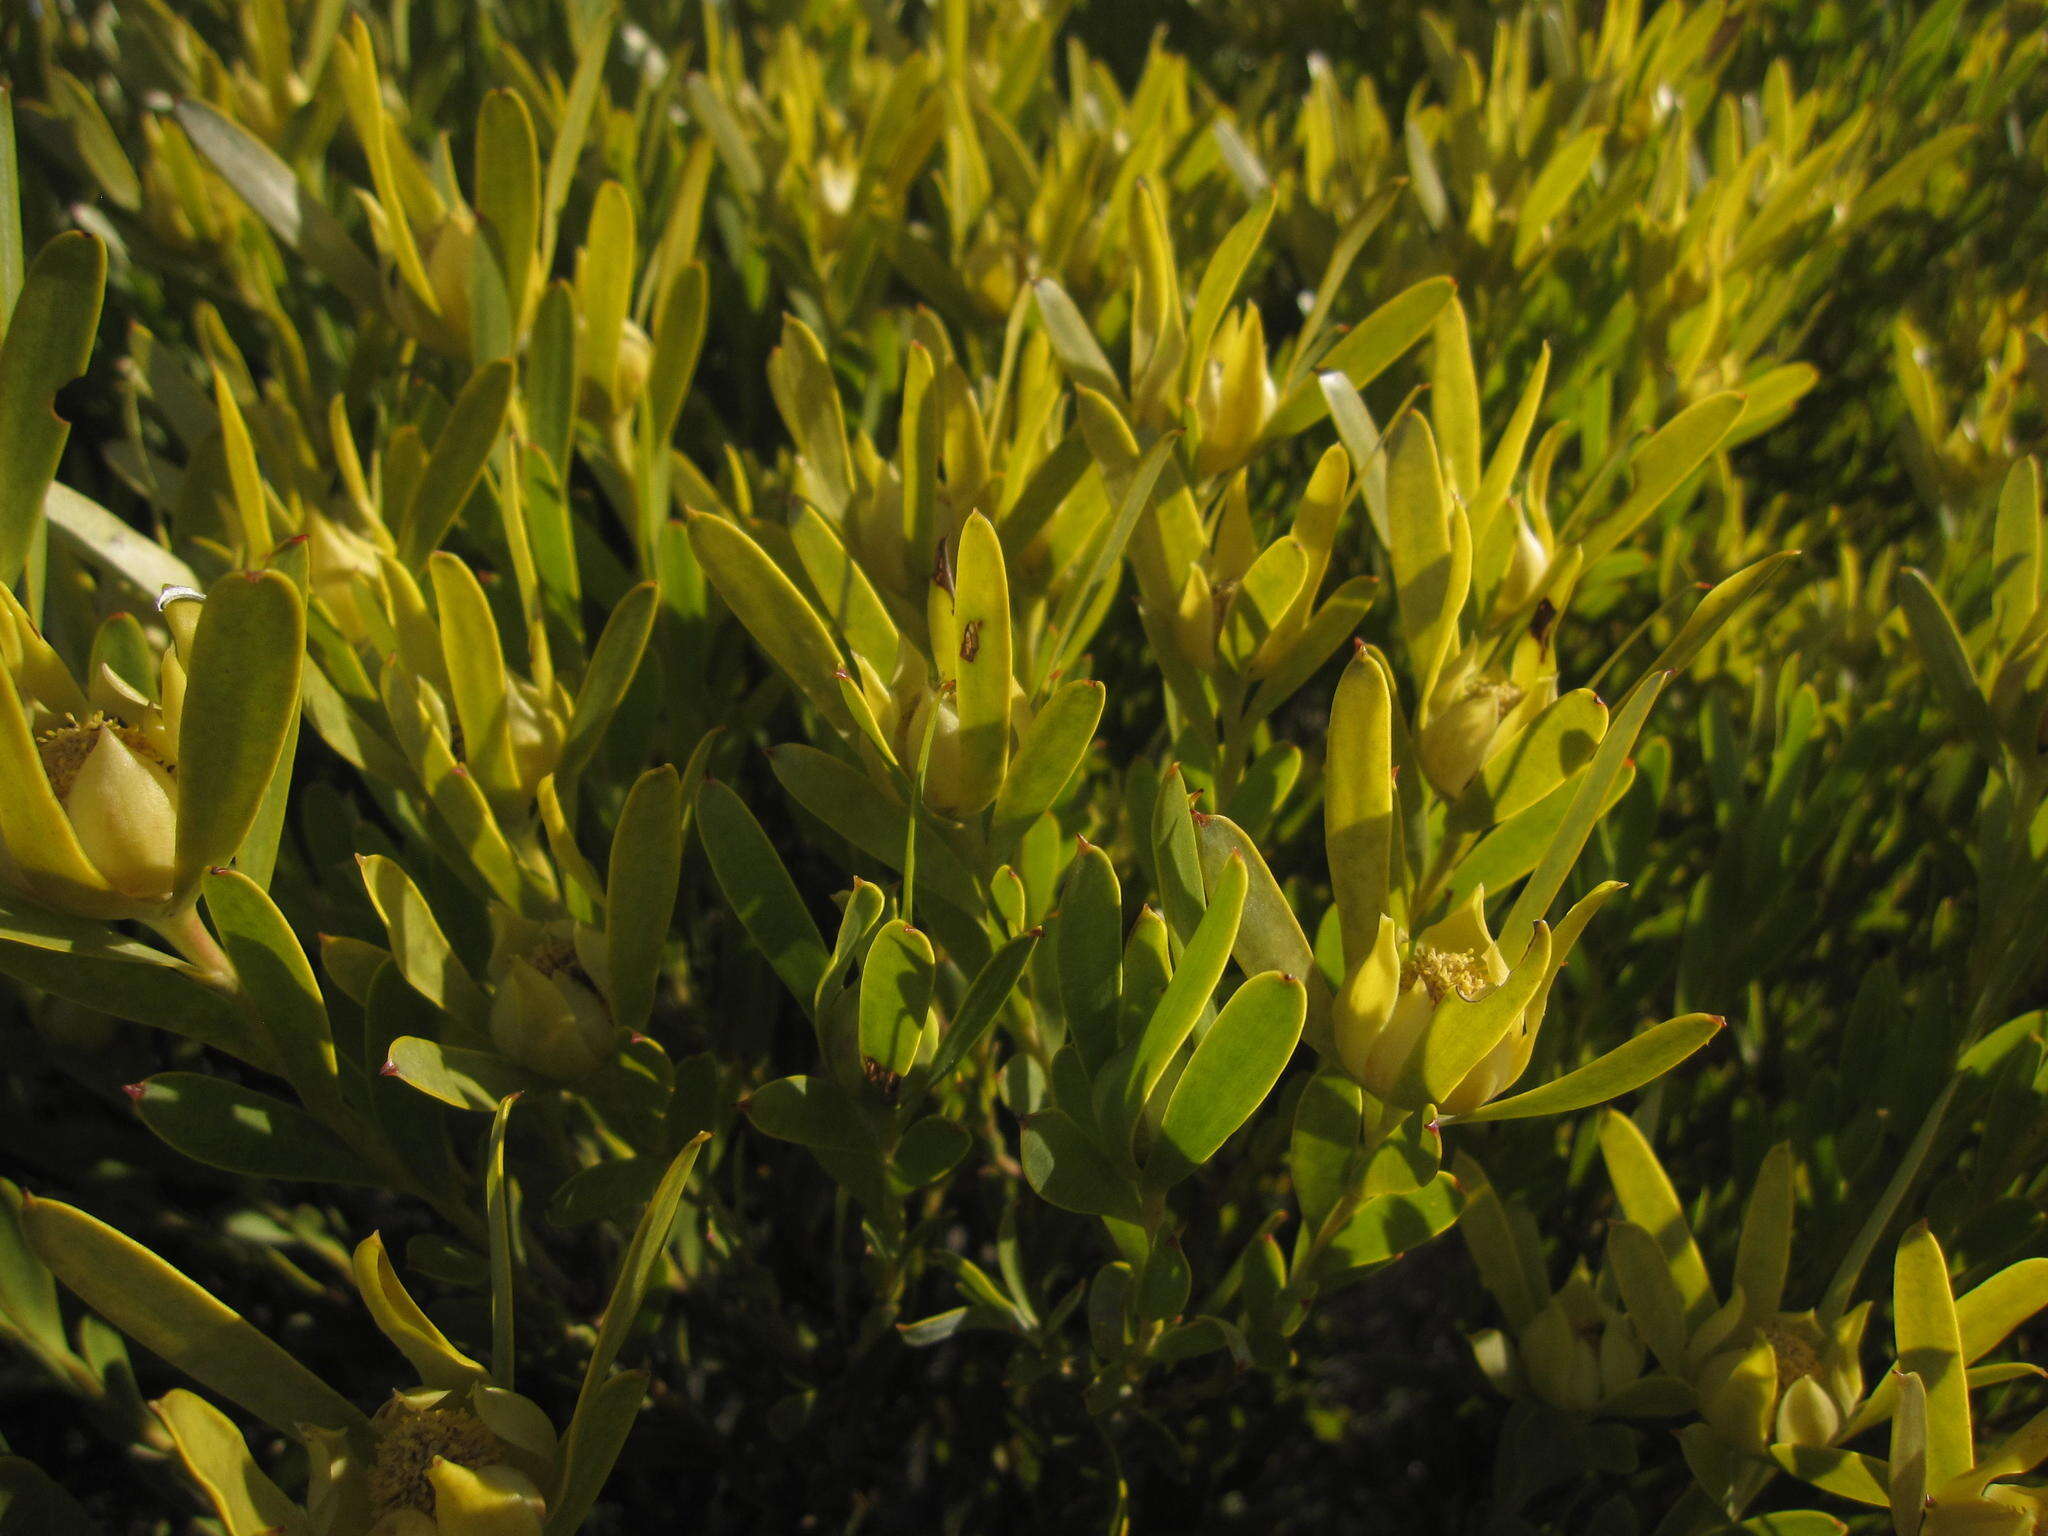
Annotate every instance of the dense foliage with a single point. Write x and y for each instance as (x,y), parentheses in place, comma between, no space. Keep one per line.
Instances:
(1064,765)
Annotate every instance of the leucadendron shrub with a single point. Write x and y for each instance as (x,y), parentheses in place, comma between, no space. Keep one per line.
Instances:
(819,767)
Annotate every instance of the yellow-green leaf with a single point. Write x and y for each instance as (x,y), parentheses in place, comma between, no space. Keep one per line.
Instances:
(47,343)
(241,698)
(179,1321)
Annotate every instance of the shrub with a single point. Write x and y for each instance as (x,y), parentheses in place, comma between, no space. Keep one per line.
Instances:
(863,758)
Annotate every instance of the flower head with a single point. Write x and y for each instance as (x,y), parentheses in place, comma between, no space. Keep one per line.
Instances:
(1393,1000)
(93,828)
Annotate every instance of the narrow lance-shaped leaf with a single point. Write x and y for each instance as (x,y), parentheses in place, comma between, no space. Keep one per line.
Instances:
(1506,461)
(1232,1070)
(2016,553)
(1454,400)
(1589,802)
(248,505)
(986,995)
(1550,749)
(918,470)
(109,542)
(1269,936)
(573,128)
(402,1320)
(421,950)
(504,1258)
(636,1272)
(845,800)
(1069,1171)
(800,377)
(276,196)
(981,663)
(457,462)
(1662,464)
(1552,189)
(1088,940)
(508,194)
(241,697)
(1650,1291)
(604,293)
(459,1076)
(1328,1120)
(225,1125)
(216,1458)
(1426,586)
(859,917)
(1627,1067)
(592,1449)
(1390,1226)
(1107,550)
(1717,608)
(755,881)
(1188,992)
(277,980)
(11,264)
(1365,351)
(1930,1346)
(169,1315)
(1764,1250)
(47,344)
(1985,1318)
(1648,1200)
(640,892)
(1051,749)
(895,994)
(772,610)
(1074,344)
(613,666)
(1358,802)
(476,675)
(1908,1460)
(1947,663)
(1221,277)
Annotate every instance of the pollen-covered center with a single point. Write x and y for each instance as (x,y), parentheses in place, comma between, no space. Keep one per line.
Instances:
(1795,1354)
(65,748)
(407,1443)
(1503,694)
(1443,971)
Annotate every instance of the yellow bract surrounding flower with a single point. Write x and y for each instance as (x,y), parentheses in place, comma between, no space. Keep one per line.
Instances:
(458,1456)
(1465,717)
(442,1464)
(340,558)
(1392,1000)
(109,767)
(1235,396)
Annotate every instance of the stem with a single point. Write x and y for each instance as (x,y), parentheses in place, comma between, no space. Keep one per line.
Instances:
(185,933)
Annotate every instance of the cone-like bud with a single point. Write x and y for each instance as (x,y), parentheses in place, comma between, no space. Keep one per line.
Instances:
(1236,396)
(548,1012)
(1461,727)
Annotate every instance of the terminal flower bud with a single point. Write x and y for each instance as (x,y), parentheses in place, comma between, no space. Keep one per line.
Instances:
(1235,397)
(548,1011)
(1460,728)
